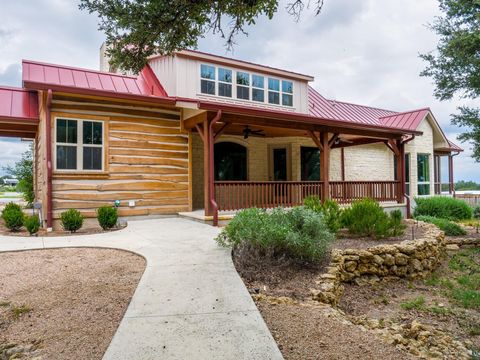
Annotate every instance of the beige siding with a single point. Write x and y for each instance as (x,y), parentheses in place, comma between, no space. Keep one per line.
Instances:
(146,162)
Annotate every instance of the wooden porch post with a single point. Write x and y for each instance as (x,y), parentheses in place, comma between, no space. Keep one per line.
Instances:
(206,168)
(402,188)
(451,187)
(325,164)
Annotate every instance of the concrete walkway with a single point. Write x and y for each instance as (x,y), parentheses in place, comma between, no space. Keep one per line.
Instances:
(190,302)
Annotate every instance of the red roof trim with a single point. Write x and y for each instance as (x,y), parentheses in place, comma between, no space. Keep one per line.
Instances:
(18,104)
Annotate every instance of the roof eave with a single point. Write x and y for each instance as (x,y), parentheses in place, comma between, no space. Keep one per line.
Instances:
(75,90)
(305,118)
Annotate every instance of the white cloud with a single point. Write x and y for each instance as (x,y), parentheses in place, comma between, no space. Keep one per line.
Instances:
(359,51)
(11,151)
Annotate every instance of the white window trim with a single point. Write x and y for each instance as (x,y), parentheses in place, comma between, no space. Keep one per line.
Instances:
(79,145)
(250,86)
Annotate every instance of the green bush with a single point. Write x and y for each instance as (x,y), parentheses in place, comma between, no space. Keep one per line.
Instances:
(107,217)
(71,220)
(13,216)
(449,227)
(299,234)
(397,227)
(366,218)
(443,207)
(330,210)
(476,212)
(32,224)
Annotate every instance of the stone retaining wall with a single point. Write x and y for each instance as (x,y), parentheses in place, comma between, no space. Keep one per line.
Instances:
(408,259)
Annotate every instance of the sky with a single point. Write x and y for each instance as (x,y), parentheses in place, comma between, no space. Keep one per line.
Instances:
(363,52)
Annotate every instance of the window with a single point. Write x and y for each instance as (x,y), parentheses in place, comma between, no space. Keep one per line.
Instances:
(258,86)
(423,174)
(207,82)
(230,161)
(224,82)
(243,85)
(79,145)
(273,91)
(287,93)
(310,163)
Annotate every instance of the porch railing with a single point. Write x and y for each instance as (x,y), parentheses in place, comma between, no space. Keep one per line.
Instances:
(235,195)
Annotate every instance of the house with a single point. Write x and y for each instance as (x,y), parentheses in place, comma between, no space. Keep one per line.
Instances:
(200,131)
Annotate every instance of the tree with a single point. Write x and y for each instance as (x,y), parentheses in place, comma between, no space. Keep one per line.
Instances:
(455,66)
(137,29)
(23,171)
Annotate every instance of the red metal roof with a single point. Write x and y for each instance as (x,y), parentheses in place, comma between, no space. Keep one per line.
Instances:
(454,146)
(18,104)
(406,120)
(42,76)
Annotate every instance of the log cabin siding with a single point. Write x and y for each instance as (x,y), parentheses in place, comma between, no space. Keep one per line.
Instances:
(146,161)
(40,159)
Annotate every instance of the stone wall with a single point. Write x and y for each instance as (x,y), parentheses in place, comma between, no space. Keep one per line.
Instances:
(408,259)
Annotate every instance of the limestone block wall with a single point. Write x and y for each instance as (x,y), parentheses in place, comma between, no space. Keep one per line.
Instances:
(408,259)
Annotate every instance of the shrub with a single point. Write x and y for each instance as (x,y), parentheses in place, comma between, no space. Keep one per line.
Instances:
(443,207)
(32,224)
(367,218)
(476,212)
(450,228)
(299,234)
(107,217)
(330,210)
(13,216)
(397,227)
(72,220)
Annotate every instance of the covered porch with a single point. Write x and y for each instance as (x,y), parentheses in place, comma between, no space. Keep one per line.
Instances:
(241,160)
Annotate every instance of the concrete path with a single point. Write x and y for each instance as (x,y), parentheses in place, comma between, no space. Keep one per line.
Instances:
(190,302)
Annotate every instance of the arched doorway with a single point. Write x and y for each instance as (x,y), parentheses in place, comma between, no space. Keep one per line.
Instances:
(230,162)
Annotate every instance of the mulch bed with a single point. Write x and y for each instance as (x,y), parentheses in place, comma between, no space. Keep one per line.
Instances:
(65,303)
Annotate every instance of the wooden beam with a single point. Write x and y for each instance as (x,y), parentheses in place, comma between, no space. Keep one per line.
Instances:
(191,122)
(315,139)
(18,134)
(357,142)
(200,131)
(206,161)
(221,130)
(333,139)
(392,145)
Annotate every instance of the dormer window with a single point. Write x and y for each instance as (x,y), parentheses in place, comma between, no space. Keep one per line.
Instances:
(224,82)
(207,73)
(273,91)
(243,85)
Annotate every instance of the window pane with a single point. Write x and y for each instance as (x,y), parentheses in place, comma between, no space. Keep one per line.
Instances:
(72,131)
(243,92)
(207,72)
(230,161)
(423,168)
(61,130)
(257,81)
(310,163)
(395,175)
(273,97)
(92,132)
(225,75)
(97,133)
(258,95)
(208,87)
(243,78)
(66,157)
(92,158)
(423,189)
(87,132)
(273,84)
(224,90)
(287,100)
(408,188)
(287,87)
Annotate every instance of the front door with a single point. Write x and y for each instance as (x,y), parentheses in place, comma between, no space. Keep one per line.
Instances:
(279,163)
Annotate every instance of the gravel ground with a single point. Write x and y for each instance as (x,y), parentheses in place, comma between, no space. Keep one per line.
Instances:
(65,303)
(308,333)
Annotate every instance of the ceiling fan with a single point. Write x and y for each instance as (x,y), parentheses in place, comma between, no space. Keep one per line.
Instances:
(249,132)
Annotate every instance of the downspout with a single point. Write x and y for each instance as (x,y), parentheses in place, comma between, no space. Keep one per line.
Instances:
(211,188)
(48,137)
